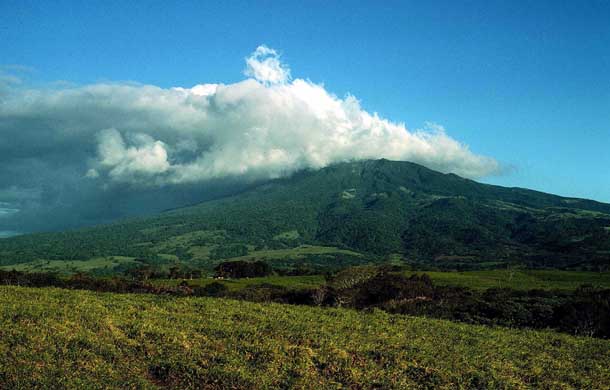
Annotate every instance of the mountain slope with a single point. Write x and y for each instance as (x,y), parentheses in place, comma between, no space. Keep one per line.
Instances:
(377,208)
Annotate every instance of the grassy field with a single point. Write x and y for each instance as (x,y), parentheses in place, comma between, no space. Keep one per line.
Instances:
(515,279)
(71,266)
(295,282)
(518,280)
(212,238)
(521,279)
(53,338)
(295,253)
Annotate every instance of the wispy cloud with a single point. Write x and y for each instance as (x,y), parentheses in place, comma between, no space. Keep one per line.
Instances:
(7,209)
(265,66)
(8,233)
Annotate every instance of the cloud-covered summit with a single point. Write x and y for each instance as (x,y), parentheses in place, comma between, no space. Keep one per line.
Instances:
(268,125)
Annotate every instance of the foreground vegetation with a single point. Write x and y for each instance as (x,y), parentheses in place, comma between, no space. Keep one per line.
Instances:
(517,279)
(520,279)
(584,311)
(54,338)
(478,280)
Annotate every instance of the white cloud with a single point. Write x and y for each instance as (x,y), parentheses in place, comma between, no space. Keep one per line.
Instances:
(8,233)
(145,158)
(199,90)
(7,209)
(263,127)
(265,66)
(92,174)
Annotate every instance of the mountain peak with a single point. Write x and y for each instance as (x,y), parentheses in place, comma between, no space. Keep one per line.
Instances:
(373,208)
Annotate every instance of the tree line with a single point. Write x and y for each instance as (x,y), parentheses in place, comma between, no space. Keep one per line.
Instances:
(585,311)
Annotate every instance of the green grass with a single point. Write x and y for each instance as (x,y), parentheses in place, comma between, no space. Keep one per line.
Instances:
(479,280)
(186,239)
(286,256)
(517,279)
(294,282)
(521,279)
(203,252)
(54,338)
(71,266)
(288,235)
(200,252)
(295,253)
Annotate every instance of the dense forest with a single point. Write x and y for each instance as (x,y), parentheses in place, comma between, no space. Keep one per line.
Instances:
(376,208)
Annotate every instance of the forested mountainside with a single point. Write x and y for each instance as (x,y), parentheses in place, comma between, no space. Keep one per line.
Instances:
(367,211)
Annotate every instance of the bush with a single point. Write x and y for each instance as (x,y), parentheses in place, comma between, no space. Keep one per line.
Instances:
(215,289)
(242,269)
(588,314)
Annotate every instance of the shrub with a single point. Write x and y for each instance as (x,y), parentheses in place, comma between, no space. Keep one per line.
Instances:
(242,269)
(215,289)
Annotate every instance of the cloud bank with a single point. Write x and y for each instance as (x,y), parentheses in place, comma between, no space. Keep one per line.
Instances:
(120,135)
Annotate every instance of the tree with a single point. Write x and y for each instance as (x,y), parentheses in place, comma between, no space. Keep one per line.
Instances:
(242,269)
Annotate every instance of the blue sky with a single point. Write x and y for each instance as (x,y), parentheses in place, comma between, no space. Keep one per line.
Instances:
(527,83)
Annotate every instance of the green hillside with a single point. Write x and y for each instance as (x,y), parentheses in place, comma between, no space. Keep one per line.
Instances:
(355,213)
(54,338)
(522,280)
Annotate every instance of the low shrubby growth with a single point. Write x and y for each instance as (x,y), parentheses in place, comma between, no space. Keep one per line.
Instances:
(584,311)
(86,282)
(243,269)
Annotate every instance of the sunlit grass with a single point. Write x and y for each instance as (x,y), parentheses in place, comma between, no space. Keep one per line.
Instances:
(295,282)
(521,279)
(518,280)
(70,266)
(55,338)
